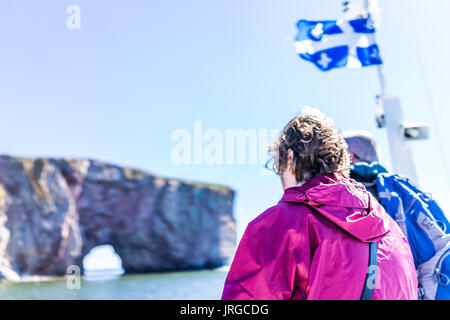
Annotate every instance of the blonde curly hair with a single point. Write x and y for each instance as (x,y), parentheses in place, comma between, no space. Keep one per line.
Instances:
(318,147)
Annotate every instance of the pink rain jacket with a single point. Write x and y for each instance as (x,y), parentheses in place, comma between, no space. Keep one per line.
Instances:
(314,245)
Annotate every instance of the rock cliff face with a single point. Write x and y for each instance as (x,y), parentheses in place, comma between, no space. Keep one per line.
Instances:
(54,211)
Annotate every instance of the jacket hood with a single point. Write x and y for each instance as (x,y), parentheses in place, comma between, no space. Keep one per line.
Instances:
(344,202)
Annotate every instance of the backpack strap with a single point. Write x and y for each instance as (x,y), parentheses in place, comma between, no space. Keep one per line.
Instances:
(369,284)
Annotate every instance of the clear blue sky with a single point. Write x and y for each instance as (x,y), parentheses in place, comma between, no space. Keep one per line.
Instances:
(116,89)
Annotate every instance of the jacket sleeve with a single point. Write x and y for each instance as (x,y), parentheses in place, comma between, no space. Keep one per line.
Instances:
(264,264)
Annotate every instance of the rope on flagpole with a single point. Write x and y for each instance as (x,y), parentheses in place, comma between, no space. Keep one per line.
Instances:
(434,120)
(434,117)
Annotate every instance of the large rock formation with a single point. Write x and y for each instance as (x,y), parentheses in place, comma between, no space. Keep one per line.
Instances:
(54,211)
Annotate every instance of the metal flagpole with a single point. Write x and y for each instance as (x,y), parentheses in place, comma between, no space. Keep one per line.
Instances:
(380,69)
(381,78)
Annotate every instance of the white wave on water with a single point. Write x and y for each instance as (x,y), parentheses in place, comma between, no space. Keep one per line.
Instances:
(223,268)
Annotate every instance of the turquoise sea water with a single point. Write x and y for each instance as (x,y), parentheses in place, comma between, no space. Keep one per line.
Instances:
(175,285)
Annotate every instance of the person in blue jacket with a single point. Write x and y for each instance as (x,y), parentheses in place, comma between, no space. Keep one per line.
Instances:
(363,149)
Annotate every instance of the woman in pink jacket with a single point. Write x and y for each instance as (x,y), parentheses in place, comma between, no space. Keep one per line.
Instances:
(327,238)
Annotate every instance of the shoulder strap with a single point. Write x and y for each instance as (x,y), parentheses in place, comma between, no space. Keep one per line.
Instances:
(369,284)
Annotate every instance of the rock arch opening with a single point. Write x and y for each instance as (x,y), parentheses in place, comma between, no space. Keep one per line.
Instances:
(102,262)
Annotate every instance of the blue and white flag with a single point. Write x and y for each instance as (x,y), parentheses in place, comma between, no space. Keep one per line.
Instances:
(338,43)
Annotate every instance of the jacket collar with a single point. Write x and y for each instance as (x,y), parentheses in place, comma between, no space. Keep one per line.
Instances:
(299,193)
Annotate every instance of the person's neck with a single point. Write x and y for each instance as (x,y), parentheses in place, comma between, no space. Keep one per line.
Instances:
(289,183)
